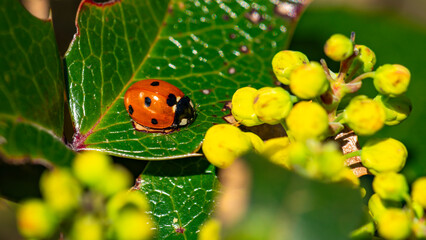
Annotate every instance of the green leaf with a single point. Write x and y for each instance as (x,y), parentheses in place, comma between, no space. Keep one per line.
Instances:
(207,49)
(394,40)
(8,229)
(31,88)
(181,193)
(284,205)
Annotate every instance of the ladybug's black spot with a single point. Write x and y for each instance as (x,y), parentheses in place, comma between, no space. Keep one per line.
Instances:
(171,100)
(154,121)
(147,101)
(155,83)
(130,109)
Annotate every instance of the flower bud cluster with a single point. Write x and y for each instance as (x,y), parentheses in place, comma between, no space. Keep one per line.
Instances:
(396,212)
(224,143)
(309,108)
(322,161)
(312,81)
(81,196)
(253,107)
(308,111)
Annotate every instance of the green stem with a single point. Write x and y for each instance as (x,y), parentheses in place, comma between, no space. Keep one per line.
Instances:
(294,99)
(353,154)
(339,118)
(326,70)
(290,137)
(407,199)
(363,76)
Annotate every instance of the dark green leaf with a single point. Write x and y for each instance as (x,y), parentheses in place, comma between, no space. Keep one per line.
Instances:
(394,40)
(211,46)
(284,205)
(23,139)
(182,195)
(31,88)
(8,228)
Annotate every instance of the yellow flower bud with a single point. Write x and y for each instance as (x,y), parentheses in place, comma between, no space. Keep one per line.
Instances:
(377,206)
(276,150)
(91,167)
(392,79)
(272,105)
(308,81)
(418,191)
(118,179)
(299,154)
(223,143)
(210,230)
(397,108)
(319,160)
(133,224)
(285,61)
(308,120)
(324,161)
(36,219)
(338,47)
(87,227)
(391,186)
(256,141)
(362,191)
(123,199)
(394,223)
(363,62)
(330,161)
(383,155)
(242,106)
(365,116)
(346,175)
(61,191)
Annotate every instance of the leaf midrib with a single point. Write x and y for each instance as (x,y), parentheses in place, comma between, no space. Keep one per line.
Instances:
(157,37)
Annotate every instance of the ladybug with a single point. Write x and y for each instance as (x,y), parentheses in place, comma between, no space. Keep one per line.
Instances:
(158,106)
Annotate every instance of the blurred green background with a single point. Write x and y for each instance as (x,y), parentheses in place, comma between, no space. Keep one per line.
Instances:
(413,9)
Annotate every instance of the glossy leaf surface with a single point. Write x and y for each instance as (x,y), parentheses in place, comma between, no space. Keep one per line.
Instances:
(206,48)
(31,88)
(182,195)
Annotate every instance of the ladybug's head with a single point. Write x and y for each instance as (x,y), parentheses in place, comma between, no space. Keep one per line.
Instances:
(185,113)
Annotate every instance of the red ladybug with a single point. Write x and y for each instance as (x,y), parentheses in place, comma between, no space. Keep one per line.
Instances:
(158,106)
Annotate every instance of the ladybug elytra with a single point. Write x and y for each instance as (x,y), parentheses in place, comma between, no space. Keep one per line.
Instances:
(158,106)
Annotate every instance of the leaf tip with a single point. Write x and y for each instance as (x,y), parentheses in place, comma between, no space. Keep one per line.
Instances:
(290,10)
